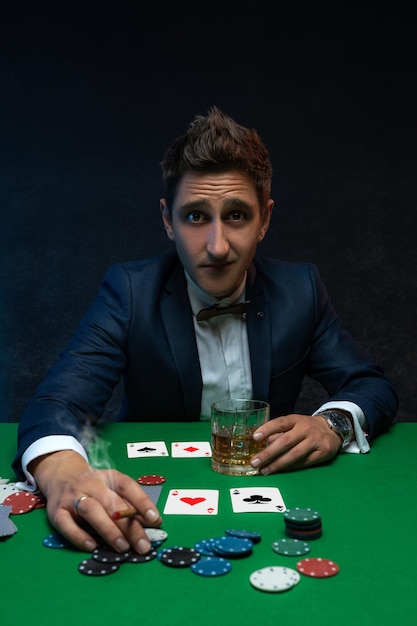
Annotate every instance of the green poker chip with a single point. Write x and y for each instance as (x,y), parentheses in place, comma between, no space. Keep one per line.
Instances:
(291,547)
(301,515)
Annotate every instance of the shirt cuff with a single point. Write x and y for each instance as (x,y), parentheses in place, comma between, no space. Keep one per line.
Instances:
(47,445)
(360,443)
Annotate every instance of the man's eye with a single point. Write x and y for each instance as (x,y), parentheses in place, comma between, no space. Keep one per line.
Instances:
(194,216)
(237,216)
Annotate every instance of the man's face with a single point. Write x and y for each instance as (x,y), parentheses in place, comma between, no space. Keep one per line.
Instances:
(216,225)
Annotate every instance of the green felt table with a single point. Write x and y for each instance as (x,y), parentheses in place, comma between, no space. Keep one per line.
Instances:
(368,505)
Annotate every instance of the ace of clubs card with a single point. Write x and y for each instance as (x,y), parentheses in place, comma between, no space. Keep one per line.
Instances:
(257,500)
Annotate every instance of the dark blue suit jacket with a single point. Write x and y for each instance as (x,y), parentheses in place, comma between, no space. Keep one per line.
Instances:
(140,328)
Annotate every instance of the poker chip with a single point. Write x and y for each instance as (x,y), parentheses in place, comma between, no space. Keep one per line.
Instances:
(6,489)
(91,567)
(40,501)
(211,566)
(290,547)
(179,556)
(301,515)
(232,546)
(303,527)
(307,535)
(156,534)
(160,552)
(151,479)
(244,534)
(302,523)
(317,567)
(205,547)
(55,540)
(141,558)
(105,554)
(21,502)
(274,579)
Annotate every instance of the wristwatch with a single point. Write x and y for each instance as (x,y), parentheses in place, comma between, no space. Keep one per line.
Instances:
(341,425)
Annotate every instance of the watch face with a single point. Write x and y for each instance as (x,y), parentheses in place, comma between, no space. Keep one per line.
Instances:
(340,421)
(340,424)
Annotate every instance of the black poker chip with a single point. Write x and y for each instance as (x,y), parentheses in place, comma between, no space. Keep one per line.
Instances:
(134,557)
(179,556)
(91,567)
(105,554)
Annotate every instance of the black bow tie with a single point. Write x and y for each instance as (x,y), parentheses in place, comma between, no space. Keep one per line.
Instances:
(213,311)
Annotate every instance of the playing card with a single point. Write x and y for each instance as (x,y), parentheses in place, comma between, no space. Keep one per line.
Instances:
(257,500)
(153,491)
(146,448)
(7,527)
(192,502)
(190,449)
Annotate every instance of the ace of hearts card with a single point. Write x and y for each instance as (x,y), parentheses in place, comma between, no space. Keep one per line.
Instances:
(192,502)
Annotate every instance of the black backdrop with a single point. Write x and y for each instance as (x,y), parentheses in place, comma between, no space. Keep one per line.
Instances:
(91,94)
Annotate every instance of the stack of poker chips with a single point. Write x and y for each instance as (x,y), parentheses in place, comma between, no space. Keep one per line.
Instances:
(302,523)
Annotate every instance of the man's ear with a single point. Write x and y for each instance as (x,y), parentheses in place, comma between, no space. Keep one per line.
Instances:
(166,218)
(266,220)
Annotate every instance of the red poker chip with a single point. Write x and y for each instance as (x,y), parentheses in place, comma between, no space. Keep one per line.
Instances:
(317,567)
(21,502)
(151,479)
(40,502)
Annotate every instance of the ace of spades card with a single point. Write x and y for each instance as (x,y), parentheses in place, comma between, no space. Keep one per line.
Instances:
(143,449)
(257,500)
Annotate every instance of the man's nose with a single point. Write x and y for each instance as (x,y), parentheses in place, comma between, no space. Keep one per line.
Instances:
(217,242)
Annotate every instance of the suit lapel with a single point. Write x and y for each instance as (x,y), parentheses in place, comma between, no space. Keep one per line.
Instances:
(178,323)
(259,335)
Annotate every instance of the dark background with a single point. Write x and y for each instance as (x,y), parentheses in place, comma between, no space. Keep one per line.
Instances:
(92,93)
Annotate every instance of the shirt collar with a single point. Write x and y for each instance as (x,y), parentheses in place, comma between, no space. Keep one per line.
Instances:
(199,299)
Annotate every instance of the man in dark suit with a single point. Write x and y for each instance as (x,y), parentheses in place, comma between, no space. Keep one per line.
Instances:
(164,325)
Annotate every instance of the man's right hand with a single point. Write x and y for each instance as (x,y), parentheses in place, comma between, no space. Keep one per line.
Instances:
(64,477)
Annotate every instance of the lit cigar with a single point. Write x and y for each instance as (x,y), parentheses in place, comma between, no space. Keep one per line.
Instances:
(124,513)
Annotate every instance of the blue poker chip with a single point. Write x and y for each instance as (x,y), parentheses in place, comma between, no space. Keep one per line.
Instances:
(211,566)
(205,547)
(57,541)
(232,546)
(244,534)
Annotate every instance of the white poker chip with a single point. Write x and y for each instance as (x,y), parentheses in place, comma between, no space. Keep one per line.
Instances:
(274,579)
(156,534)
(6,489)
